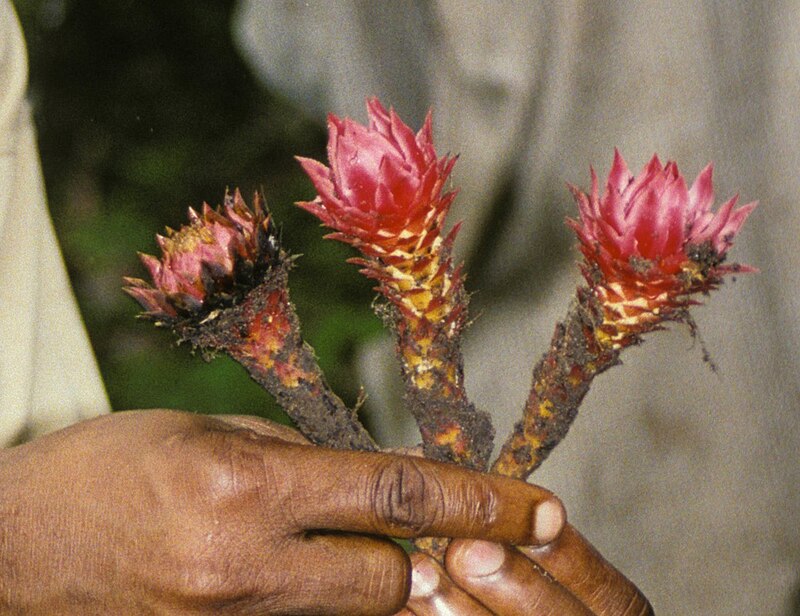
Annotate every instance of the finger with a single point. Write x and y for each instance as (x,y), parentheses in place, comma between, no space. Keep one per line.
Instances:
(434,594)
(412,497)
(344,574)
(577,565)
(263,427)
(507,582)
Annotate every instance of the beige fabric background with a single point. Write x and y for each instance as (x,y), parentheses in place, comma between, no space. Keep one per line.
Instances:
(685,478)
(48,376)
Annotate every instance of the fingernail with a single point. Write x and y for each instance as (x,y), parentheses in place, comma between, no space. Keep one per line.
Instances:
(548,520)
(482,558)
(424,579)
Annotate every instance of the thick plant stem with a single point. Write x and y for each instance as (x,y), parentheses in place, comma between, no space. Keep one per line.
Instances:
(428,313)
(560,381)
(452,429)
(262,333)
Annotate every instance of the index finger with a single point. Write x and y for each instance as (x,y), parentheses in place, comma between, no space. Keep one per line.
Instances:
(406,497)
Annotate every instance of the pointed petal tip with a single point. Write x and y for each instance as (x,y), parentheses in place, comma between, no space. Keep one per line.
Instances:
(655,161)
(376,108)
(333,120)
(311,166)
(425,133)
(315,207)
(137,283)
(747,208)
(745,269)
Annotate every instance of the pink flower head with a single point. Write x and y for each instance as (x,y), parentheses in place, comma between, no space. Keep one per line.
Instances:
(649,241)
(383,190)
(208,263)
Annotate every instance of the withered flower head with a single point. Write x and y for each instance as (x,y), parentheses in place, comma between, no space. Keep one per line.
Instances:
(209,263)
(383,190)
(650,243)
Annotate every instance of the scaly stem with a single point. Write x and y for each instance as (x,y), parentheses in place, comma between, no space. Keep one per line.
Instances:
(560,381)
(428,313)
(262,333)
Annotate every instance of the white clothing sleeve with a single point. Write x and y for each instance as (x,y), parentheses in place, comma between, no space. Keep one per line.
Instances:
(48,375)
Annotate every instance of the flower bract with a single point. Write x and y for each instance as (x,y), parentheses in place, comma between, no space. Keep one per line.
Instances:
(209,263)
(650,242)
(383,191)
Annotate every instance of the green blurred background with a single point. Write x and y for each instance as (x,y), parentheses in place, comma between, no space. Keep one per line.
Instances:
(143,108)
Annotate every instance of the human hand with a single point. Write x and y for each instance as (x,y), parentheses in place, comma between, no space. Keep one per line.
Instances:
(567,577)
(168,512)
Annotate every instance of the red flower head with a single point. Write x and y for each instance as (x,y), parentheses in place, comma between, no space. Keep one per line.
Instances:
(383,190)
(384,194)
(209,263)
(649,243)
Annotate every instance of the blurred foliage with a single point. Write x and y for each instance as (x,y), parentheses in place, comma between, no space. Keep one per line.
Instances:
(144,107)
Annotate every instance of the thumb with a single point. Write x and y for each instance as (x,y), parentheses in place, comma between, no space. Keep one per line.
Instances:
(408,497)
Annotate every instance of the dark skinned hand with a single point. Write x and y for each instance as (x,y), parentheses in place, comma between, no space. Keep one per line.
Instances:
(566,577)
(162,512)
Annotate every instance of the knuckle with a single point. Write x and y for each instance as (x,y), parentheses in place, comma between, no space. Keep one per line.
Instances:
(198,564)
(230,472)
(202,486)
(404,497)
(218,465)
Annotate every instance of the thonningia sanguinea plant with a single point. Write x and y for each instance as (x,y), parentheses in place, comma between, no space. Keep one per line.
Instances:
(220,285)
(649,246)
(385,194)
